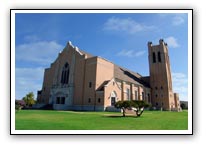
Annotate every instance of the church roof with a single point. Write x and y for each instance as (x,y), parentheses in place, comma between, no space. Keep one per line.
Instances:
(101,87)
(130,76)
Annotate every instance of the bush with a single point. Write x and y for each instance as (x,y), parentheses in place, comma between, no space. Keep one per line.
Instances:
(18,106)
(183,106)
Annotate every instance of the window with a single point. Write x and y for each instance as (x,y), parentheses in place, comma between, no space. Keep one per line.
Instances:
(162,104)
(65,74)
(161,87)
(89,100)
(156,95)
(154,57)
(90,84)
(156,104)
(128,94)
(136,95)
(156,88)
(143,96)
(159,56)
(99,100)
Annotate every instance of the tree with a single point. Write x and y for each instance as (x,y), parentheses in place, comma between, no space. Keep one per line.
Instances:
(184,106)
(137,105)
(123,105)
(29,99)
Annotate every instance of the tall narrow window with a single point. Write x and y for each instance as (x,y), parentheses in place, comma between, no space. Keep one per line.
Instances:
(159,56)
(154,57)
(128,94)
(90,84)
(136,95)
(99,100)
(62,77)
(143,96)
(65,74)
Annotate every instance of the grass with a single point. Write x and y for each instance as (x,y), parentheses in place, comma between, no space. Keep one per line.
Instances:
(70,120)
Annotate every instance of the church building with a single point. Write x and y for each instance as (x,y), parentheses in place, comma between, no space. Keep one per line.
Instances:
(77,80)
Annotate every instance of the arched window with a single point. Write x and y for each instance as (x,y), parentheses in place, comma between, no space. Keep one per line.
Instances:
(65,74)
(154,57)
(159,56)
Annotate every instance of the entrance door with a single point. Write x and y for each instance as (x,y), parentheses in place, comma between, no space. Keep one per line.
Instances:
(113,97)
(113,101)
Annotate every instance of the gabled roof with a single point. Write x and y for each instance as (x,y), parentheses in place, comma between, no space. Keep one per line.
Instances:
(101,87)
(106,83)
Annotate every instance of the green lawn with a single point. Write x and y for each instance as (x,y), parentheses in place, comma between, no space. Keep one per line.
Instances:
(70,120)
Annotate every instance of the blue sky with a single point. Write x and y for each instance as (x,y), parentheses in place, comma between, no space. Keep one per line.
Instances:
(121,38)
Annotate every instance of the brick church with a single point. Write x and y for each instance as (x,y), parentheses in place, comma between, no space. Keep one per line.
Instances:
(77,80)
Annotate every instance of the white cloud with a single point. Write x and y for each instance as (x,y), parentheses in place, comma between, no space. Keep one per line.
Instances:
(127,25)
(172,42)
(177,20)
(178,75)
(39,52)
(28,80)
(180,85)
(33,53)
(130,53)
(139,53)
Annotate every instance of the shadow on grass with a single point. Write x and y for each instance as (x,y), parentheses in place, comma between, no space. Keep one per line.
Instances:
(120,116)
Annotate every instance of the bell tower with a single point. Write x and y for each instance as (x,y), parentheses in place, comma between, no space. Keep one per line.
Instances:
(160,76)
